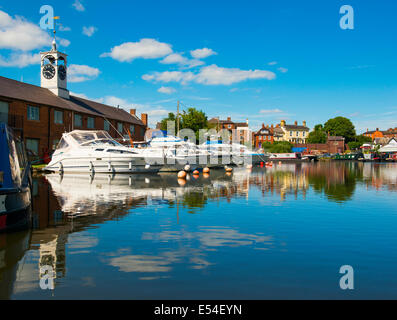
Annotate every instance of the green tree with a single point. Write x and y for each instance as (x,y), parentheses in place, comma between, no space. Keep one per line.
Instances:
(277,147)
(341,126)
(191,119)
(318,135)
(171,117)
(358,142)
(194,119)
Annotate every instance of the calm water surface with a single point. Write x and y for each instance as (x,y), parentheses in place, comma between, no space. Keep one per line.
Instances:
(272,233)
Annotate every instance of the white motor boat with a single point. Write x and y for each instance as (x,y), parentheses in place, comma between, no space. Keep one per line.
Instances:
(178,154)
(97,152)
(232,153)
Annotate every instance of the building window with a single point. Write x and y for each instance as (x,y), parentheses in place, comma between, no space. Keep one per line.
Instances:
(78,120)
(297,133)
(290,133)
(32,145)
(120,127)
(132,129)
(90,123)
(304,133)
(58,117)
(142,131)
(33,113)
(106,125)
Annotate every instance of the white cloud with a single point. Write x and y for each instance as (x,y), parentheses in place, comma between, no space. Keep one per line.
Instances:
(144,48)
(202,53)
(63,42)
(20,60)
(214,75)
(78,6)
(176,58)
(270,111)
(89,31)
(170,76)
(63,28)
(80,73)
(166,90)
(283,70)
(210,75)
(272,63)
(19,34)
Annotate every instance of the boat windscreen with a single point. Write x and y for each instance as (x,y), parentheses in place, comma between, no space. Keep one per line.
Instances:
(62,144)
(82,137)
(102,142)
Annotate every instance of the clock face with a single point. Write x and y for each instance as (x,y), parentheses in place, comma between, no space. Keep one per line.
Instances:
(48,71)
(62,72)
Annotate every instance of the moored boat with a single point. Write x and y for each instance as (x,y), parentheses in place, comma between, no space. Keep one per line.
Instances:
(15,182)
(97,152)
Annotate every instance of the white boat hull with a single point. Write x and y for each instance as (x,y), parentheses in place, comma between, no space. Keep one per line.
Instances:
(104,165)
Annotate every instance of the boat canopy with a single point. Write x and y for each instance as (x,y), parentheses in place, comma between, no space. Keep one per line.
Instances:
(86,138)
(390,147)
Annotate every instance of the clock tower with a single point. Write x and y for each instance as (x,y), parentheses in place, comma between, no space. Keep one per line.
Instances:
(54,71)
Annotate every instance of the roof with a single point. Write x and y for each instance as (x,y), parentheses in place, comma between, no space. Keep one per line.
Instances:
(296,127)
(241,124)
(216,120)
(260,131)
(390,147)
(278,130)
(13,89)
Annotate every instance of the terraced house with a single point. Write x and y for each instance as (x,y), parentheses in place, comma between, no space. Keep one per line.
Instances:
(41,114)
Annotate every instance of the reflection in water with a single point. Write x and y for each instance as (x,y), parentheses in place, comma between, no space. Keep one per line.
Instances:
(148,225)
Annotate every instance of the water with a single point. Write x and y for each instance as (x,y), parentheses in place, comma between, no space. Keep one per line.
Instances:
(282,232)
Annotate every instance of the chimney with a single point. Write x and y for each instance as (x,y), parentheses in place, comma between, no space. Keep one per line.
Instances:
(283,123)
(272,126)
(247,122)
(304,123)
(229,119)
(263,126)
(377,129)
(296,123)
(133,111)
(144,118)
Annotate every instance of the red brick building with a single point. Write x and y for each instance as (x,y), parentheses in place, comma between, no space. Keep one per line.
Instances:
(390,133)
(263,135)
(41,114)
(239,130)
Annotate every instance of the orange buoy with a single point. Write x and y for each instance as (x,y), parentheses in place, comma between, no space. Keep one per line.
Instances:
(187,168)
(181,182)
(182,174)
(196,172)
(228,169)
(206,170)
(206,175)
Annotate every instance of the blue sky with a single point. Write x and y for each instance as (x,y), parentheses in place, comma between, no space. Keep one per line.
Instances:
(261,60)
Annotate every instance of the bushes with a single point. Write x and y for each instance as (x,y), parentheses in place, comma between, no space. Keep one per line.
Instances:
(278,147)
